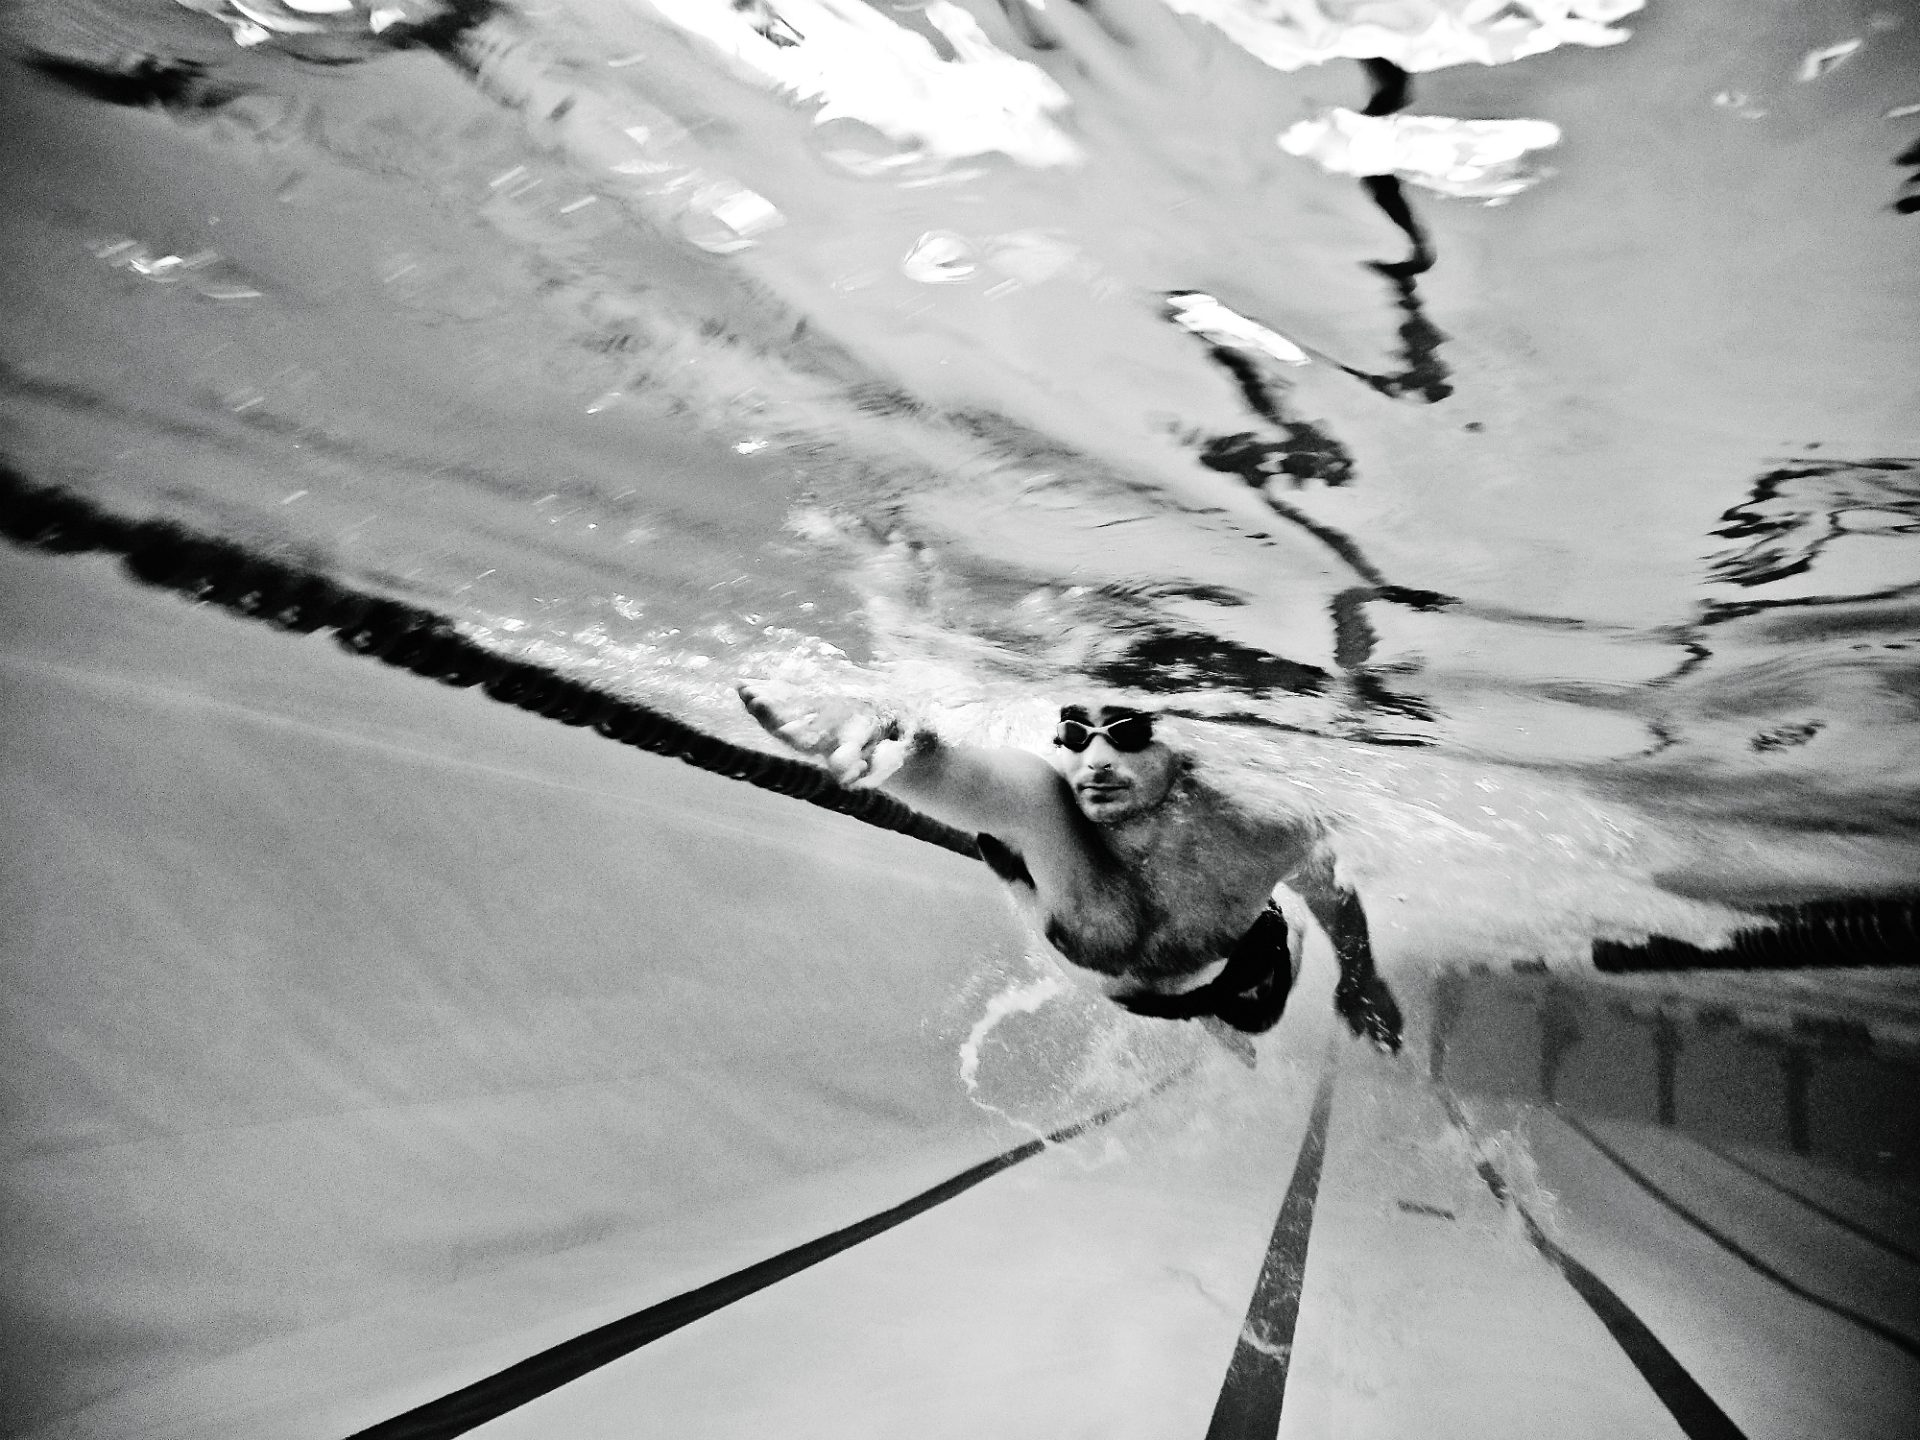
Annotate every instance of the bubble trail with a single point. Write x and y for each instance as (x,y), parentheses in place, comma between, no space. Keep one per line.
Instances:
(1014,1000)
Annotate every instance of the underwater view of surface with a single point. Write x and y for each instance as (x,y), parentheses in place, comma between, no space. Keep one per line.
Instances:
(1498,419)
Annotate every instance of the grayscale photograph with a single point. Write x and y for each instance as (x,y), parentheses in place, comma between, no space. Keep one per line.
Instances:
(960,719)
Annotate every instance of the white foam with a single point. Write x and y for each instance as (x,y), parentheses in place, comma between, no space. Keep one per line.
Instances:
(1413,34)
(858,64)
(939,257)
(1016,999)
(253,22)
(1818,62)
(1478,159)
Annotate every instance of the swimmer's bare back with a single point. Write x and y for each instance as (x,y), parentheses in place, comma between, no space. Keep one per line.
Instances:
(1129,865)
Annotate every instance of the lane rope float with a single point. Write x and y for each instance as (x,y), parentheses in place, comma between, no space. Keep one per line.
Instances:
(219,572)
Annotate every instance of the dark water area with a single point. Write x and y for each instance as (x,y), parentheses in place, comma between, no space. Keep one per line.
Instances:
(1826,1072)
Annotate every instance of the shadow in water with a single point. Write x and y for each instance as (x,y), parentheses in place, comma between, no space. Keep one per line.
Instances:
(1798,509)
(1766,1118)
(1775,1062)
(1423,374)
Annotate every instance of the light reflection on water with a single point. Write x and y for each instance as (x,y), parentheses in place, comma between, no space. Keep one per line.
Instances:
(437,323)
(1566,549)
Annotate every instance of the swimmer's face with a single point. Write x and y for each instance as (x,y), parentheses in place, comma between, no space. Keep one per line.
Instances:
(1114,777)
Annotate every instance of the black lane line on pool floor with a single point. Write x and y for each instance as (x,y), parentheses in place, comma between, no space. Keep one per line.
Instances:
(474,1405)
(1896,1338)
(1686,1400)
(1852,1227)
(1256,1383)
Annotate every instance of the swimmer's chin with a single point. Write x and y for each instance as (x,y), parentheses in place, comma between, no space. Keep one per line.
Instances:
(1106,803)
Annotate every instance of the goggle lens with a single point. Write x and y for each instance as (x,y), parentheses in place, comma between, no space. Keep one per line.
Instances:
(1129,734)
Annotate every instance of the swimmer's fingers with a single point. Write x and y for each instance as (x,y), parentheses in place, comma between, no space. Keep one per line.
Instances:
(777,716)
(762,710)
(852,753)
(839,732)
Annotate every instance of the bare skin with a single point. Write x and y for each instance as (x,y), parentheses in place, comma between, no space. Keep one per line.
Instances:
(1134,868)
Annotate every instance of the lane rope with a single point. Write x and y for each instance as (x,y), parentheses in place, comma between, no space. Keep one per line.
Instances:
(219,572)
(1844,932)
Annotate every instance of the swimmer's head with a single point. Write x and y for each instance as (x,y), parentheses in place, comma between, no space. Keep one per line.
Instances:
(1118,768)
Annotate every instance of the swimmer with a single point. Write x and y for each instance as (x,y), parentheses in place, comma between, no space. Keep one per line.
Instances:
(1130,864)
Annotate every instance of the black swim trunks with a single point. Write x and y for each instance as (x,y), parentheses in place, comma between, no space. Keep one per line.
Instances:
(1250,994)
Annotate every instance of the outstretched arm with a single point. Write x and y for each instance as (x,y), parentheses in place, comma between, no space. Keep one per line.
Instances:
(1006,792)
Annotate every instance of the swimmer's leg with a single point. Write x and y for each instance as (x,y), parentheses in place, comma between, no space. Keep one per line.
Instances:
(1361,997)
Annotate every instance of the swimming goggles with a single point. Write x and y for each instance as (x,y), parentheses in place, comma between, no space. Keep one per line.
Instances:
(1128,734)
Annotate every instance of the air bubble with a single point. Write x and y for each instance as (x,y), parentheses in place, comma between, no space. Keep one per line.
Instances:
(939,257)
(723,217)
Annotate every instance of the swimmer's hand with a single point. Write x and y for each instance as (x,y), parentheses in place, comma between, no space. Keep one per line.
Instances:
(1367,1005)
(852,739)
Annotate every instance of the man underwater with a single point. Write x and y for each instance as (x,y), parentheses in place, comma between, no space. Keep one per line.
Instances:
(1125,860)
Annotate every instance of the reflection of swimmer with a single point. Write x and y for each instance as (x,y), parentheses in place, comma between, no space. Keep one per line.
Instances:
(1129,863)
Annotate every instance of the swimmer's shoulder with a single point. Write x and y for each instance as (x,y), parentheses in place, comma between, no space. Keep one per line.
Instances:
(1012,794)
(1285,832)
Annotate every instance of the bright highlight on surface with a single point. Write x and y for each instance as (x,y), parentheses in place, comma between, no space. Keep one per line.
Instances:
(1475,159)
(254,22)
(1210,320)
(862,66)
(1413,34)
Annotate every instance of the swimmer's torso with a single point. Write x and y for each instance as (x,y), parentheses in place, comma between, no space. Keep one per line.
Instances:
(1153,901)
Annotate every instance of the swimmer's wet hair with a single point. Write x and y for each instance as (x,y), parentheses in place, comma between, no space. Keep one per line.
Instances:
(1085,716)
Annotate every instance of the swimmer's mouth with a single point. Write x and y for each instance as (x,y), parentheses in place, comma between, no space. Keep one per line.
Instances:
(1103,792)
